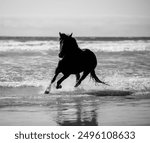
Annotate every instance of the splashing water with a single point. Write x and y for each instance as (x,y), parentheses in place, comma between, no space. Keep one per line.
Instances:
(31,63)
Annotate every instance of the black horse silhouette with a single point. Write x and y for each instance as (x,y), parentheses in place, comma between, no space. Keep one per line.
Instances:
(74,61)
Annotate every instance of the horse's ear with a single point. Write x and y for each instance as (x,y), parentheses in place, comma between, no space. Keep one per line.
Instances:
(70,35)
(60,34)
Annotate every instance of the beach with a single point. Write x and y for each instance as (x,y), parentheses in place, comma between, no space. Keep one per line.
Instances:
(28,64)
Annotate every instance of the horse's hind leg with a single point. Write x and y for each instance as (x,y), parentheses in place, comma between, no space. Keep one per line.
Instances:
(85,73)
(61,80)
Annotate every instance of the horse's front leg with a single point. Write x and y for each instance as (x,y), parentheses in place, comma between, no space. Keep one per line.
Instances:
(49,87)
(61,80)
(53,79)
(77,77)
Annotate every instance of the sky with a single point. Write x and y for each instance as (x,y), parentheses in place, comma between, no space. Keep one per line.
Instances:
(82,17)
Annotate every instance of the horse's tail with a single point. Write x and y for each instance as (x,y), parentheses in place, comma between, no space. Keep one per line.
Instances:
(95,78)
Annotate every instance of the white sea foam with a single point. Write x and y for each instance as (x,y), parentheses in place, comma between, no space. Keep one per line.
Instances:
(116,82)
(34,83)
(105,46)
(28,46)
(118,46)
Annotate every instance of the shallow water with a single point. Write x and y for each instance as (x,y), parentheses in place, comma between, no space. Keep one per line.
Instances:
(26,67)
(27,106)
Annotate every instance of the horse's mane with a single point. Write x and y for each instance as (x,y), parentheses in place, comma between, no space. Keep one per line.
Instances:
(74,42)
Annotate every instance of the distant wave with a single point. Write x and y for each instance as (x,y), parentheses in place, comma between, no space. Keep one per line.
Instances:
(53,45)
(27,46)
(87,38)
(119,46)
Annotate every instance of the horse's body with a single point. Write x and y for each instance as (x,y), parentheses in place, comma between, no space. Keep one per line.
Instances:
(85,60)
(74,61)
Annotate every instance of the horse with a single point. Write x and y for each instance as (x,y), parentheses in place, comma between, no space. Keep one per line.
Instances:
(74,60)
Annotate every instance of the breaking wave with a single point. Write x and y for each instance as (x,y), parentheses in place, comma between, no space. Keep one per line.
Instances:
(103,46)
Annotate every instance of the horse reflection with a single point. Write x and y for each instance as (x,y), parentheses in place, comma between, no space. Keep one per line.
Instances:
(77,114)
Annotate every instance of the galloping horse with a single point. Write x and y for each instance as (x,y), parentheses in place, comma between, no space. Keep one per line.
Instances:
(74,61)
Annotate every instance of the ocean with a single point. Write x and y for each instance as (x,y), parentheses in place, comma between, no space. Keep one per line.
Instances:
(27,65)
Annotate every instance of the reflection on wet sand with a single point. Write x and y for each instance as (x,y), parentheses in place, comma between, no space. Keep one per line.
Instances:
(77,113)
(84,110)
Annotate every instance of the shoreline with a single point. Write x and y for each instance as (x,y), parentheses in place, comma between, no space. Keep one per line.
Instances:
(29,107)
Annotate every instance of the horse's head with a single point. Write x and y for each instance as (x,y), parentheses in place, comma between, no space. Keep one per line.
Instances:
(67,42)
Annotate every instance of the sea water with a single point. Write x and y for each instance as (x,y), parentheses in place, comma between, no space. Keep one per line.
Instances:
(27,65)
(124,64)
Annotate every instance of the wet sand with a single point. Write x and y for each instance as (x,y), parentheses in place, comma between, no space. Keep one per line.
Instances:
(29,106)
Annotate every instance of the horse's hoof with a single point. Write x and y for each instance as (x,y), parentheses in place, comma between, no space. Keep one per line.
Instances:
(58,86)
(46,92)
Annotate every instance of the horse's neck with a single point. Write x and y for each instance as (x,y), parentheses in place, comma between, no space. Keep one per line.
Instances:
(77,50)
(74,53)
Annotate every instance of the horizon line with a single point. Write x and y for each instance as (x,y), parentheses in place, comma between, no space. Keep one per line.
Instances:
(74,36)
